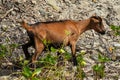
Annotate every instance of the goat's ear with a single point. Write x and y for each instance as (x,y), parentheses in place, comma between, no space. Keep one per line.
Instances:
(94,20)
(94,14)
(23,21)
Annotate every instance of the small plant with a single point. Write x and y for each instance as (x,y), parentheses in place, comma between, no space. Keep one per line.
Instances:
(116,29)
(102,59)
(81,63)
(7,49)
(80,59)
(99,68)
(48,60)
(29,74)
(67,56)
(3,50)
(98,71)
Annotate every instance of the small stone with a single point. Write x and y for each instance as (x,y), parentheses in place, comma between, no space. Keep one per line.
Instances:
(96,44)
(88,46)
(20,1)
(53,3)
(101,49)
(4,27)
(68,49)
(4,77)
(13,13)
(34,2)
(116,44)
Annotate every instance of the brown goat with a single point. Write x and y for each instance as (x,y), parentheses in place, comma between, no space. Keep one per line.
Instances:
(65,32)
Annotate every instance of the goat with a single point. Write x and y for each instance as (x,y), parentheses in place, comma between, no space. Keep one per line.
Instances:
(57,32)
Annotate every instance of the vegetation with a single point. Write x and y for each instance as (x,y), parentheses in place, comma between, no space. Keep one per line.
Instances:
(6,50)
(116,29)
(99,67)
(52,66)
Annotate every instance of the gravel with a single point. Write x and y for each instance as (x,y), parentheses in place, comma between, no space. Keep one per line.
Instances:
(12,11)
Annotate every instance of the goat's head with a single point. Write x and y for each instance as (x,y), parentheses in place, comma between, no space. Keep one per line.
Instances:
(97,24)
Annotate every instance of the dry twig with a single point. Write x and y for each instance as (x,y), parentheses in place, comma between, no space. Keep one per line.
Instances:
(6,14)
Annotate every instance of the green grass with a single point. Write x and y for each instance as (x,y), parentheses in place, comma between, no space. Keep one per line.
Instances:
(116,29)
(49,68)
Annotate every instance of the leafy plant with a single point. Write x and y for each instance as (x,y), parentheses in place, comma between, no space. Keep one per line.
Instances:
(48,60)
(82,63)
(102,59)
(53,49)
(29,74)
(3,50)
(99,68)
(98,71)
(7,48)
(67,32)
(67,56)
(116,29)
(80,59)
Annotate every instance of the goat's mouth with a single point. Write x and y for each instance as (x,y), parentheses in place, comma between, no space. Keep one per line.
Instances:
(102,32)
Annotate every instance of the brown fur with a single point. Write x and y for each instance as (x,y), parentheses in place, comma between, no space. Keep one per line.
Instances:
(66,32)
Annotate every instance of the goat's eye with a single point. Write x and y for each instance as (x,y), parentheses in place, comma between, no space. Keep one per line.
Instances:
(99,24)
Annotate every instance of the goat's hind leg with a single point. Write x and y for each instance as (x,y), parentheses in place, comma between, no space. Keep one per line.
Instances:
(25,49)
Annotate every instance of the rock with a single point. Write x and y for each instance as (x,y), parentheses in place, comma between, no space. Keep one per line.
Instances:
(55,10)
(4,77)
(89,78)
(13,13)
(34,1)
(20,1)
(116,44)
(68,49)
(53,3)
(96,44)
(101,49)
(116,9)
(88,46)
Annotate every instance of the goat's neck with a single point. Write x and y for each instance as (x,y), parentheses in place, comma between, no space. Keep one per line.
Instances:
(83,25)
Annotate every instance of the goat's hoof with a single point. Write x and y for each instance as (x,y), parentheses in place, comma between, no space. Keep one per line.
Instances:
(33,66)
(75,63)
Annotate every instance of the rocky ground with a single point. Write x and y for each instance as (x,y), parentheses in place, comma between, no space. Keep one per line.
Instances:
(12,11)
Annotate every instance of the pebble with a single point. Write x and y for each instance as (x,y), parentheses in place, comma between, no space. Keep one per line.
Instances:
(116,44)
(46,10)
(34,2)
(20,1)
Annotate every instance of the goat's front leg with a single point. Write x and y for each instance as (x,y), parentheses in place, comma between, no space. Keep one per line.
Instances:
(73,47)
(39,46)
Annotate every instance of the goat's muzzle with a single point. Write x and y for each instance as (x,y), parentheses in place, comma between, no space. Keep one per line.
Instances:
(102,32)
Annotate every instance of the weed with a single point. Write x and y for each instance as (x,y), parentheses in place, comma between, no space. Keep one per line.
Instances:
(99,68)
(3,50)
(82,63)
(116,29)
(7,49)
(29,74)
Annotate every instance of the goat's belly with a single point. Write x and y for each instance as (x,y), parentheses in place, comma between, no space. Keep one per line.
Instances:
(57,39)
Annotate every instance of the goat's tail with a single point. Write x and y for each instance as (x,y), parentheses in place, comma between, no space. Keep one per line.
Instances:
(26,26)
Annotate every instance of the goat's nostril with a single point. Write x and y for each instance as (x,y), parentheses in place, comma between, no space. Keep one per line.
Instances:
(103,32)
